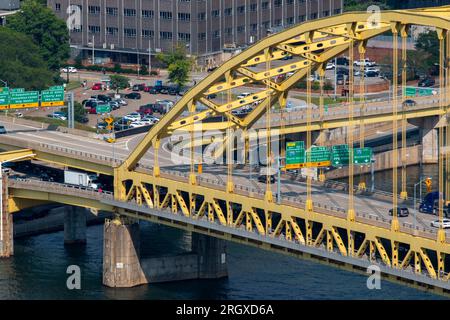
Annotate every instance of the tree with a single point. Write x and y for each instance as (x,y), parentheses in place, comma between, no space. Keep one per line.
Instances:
(21,65)
(79,112)
(362,5)
(428,43)
(178,65)
(119,82)
(48,31)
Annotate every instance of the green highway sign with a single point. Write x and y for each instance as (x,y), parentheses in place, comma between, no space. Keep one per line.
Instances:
(295,154)
(4,98)
(19,98)
(340,155)
(423,92)
(362,155)
(318,156)
(102,108)
(410,91)
(52,97)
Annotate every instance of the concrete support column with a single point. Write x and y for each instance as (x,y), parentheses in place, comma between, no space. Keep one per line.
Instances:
(212,256)
(6,225)
(430,143)
(121,253)
(74,225)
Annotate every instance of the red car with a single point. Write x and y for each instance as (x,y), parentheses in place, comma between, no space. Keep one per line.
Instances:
(97,86)
(92,110)
(146,109)
(148,88)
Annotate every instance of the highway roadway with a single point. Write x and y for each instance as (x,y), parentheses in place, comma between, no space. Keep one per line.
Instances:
(373,208)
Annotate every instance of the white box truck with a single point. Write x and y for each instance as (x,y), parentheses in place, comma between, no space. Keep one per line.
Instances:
(83,179)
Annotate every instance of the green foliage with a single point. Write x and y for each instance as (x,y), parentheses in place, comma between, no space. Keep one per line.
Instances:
(79,111)
(21,65)
(178,65)
(119,82)
(45,28)
(144,69)
(428,43)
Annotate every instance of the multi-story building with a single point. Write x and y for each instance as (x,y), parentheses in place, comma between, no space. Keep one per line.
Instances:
(121,29)
(405,4)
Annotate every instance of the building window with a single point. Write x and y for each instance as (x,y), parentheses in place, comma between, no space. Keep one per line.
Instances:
(216,34)
(289,2)
(147,33)
(215,13)
(228,12)
(165,35)
(94,29)
(277,3)
(202,36)
(57,6)
(301,18)
(111,11)
(254,27)
(165,15)
(277,22)
(240,29)
(129,12)
(184,16)
(185,37)
(201,16)
(112,31)
(241,10)
(326,13)
(94,10)
(148,14)
(228,31)
(129,32)
(265,5)
(313,15)
(290,20)
(253,7)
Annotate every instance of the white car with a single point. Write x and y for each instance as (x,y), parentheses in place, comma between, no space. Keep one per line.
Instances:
(445,223)
(330,66)
(372,69)
(243,95)
(150,119)
(134,116)
(137,124)
(69,69)
(364,62)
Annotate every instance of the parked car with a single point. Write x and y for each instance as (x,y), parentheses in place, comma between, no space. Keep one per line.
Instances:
(101,125)
(243,95)
(114,105)
(146,109)
(58,115)
(91,103)
(427,82)
(330,66)
(364,62)
(150,119)
(134,116)
(139,87)
(97,86)
(2,130)
(401,212)
(137,124)
(102,97)
(371,74)
(121,102)
(83,119)
(164,90)
(69,69)
(133,96)
(263,178)
(173,90)
(147,88)
(445,223)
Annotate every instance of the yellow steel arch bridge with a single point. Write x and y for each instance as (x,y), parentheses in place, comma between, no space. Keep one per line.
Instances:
(302,228)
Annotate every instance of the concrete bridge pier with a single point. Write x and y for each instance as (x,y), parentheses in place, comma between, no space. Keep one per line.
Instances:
(212,256)
(6,222)
(429,136)
(75,225)
(123,266)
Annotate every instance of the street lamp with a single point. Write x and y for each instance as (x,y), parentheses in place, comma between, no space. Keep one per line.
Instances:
(415,185)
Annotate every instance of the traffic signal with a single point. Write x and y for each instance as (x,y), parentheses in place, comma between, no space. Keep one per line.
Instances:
(429,184)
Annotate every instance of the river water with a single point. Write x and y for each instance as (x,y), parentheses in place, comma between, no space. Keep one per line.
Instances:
(38,270)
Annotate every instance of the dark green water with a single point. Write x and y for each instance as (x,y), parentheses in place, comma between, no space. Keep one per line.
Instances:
(38,271)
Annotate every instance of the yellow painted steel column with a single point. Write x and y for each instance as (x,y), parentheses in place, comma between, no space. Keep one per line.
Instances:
(362,103)
(309,202)
(351,209)
(404,36)
(447,116)
(269,194)
(156,146)
(321,113)
(441,231)
(192,175)
(230,140)
(395,224)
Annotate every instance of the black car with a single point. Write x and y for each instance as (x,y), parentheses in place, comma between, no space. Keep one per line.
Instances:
(263,178)
(174,90)
(164,90)
(102,97)
(372,74)
(133,96)
(401,212)
(2,130)
(409,103)
(342,61)
(83,120)
(139,87)
(427,82)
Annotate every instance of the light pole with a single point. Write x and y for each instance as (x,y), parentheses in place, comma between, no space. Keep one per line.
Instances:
(415,201)
(149,59)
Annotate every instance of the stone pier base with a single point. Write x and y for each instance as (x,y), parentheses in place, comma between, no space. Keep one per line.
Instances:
(74,225)
(123,266)
(6,225)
